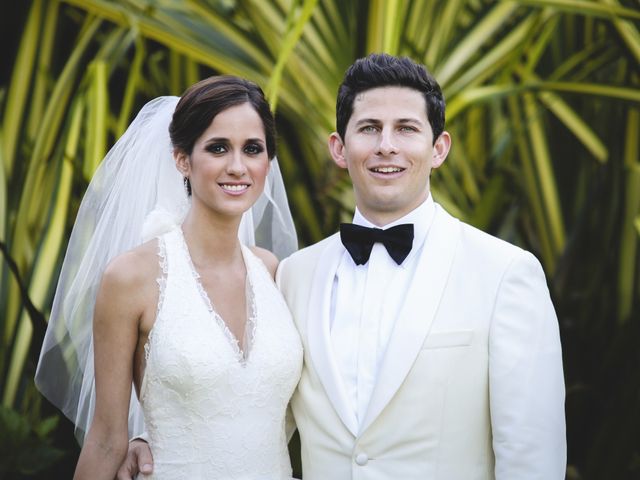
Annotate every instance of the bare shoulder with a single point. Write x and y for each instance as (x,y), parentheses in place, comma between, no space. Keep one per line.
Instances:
(128,293)
(133,269)
(268,258)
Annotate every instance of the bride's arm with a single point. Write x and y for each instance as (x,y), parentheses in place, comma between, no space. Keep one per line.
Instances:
(115,335)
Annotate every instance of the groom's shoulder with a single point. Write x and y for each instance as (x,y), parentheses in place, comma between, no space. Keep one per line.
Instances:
(474,243)
(297,268)
(312,251)
(472,235)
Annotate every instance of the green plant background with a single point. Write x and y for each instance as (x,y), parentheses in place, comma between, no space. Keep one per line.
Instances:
(543,103)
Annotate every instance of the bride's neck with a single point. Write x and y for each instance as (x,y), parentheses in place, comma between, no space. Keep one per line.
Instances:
(212,239)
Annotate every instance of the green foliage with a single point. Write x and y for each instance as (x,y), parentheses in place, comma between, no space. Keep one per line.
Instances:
(24,446)
(542,103)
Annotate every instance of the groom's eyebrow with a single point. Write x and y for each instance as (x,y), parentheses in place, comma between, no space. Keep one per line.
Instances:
(376,121)
(409,120)
(368,121)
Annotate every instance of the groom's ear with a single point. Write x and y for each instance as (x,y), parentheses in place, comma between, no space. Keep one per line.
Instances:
(182,162)
(441,149)
(337,150)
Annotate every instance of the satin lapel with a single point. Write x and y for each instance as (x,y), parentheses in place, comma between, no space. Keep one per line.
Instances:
(414,321)
(320,348)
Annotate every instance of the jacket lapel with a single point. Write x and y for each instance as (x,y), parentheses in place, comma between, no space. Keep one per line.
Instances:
(415,318)
(320,348)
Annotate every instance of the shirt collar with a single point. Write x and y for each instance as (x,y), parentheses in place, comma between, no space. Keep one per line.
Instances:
(420,217)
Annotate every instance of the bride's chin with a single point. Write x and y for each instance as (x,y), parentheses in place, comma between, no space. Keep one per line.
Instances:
(231,212)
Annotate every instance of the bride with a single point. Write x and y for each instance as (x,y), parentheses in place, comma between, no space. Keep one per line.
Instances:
(184,311)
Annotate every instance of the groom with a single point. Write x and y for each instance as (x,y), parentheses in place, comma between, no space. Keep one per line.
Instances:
(431,348)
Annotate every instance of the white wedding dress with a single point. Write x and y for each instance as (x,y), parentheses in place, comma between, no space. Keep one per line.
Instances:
(212,411)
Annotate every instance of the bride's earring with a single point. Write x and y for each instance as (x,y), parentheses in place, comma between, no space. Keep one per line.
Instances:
(187,186)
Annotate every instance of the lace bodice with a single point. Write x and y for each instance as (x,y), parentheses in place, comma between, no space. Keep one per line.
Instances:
(211,410)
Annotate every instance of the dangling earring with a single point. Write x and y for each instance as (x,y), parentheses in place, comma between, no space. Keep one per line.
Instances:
(187,186)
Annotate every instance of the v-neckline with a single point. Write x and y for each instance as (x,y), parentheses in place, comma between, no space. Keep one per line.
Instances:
(241,352)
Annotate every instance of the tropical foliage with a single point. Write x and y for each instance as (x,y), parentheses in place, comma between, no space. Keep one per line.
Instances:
(543,105)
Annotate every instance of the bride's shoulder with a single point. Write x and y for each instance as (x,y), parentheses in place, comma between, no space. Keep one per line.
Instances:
(134,268)
(268,258)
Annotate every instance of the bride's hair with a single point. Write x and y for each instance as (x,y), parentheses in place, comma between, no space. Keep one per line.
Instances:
(201,102)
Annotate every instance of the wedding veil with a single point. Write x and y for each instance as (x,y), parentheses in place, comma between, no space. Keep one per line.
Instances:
(136,194)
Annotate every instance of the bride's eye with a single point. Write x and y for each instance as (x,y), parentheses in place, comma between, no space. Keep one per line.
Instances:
(253,149)
(216,148)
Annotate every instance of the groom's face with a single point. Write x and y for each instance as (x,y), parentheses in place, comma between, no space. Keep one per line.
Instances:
(389,152)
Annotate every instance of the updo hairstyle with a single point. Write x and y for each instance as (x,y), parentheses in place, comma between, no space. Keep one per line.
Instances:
(202,101)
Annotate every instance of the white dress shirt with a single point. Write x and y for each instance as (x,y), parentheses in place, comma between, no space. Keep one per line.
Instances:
(365,301)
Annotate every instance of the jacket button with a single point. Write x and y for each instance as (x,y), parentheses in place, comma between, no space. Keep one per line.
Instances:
(362,459)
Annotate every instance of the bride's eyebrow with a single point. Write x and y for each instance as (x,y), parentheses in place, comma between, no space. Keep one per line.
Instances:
(216,140)
(209,141)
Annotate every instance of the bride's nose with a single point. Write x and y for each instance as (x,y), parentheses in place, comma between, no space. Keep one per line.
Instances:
(235,164)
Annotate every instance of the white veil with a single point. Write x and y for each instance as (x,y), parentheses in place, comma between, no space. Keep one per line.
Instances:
(136,194)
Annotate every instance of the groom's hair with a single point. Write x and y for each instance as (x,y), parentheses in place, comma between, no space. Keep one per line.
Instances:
(201,102)
(384,70)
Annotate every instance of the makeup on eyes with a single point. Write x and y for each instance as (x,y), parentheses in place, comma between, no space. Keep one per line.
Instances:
(221,145)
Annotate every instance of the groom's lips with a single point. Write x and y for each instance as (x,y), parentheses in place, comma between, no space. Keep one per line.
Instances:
(387,171)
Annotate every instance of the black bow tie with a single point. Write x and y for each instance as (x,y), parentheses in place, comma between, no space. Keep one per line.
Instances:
(359,240)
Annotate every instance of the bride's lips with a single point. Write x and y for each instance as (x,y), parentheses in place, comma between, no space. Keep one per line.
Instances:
(234,188)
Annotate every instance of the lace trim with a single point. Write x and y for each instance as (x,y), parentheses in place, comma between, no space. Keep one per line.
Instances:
(250,326)
(258,272)
(162,286)
(252,306)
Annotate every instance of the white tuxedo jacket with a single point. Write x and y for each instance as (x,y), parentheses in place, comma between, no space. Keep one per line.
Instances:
(471,386)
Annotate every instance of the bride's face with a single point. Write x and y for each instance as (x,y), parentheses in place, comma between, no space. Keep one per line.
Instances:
(229,162)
